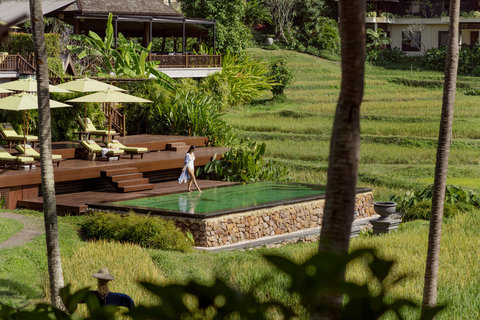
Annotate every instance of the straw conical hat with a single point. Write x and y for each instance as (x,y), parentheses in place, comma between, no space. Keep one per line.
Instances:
(103,274)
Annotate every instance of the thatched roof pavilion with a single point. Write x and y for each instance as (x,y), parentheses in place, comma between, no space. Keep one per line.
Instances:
(133,18)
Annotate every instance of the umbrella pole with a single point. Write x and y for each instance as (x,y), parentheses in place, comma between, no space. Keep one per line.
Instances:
(109,123)
(85,121)
(24,135)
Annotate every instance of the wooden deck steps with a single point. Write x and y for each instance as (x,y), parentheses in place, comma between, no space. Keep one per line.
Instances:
(177,146)
(127,179)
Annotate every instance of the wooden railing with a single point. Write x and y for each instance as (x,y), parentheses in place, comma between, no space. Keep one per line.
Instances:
(186,61)
(17,63)
(117,117)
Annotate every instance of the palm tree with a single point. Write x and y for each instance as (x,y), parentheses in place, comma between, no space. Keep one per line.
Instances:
(55,273)
(345,141)
(441,166)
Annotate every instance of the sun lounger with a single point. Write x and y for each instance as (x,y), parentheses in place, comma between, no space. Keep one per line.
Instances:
(115,144)
(10,135)
(104,153)
(7,159)
(29,151)
(91,130)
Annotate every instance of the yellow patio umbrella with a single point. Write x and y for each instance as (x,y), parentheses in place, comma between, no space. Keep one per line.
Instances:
(29,85)
(109,96)
(25,101)
(85,85)
(5,90)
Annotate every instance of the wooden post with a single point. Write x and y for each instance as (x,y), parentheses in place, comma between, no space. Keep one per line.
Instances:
(76,26)
(124,131)
(146,34)
(184,40)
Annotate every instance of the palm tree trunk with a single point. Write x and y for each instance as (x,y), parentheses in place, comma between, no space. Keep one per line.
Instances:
(443,150)
(55,273)
(345,141)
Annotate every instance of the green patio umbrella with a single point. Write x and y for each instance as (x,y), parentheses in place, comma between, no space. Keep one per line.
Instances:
(29,85)
(109,96)
(85,85)
(23,102)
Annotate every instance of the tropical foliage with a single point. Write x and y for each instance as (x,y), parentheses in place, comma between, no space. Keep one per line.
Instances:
(22,44)
(244,163)
(242,79)
(231,34)
(416,205)
(469,60)
(127,59)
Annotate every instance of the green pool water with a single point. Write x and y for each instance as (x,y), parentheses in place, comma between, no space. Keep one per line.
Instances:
(227,198)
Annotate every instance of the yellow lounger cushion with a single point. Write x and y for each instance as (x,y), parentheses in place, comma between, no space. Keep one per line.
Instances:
(6,156)
(31,152)
(94,147)
(116,144)
(91,128)
(10,133)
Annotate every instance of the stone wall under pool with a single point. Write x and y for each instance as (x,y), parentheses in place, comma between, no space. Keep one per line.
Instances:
(260,223)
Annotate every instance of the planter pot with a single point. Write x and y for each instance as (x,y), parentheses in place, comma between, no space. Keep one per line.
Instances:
(384,209)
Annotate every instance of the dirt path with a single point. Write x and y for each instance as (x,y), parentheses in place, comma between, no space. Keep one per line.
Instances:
(32,227)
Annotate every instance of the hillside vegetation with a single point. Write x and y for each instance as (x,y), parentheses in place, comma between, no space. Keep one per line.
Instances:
(399,124)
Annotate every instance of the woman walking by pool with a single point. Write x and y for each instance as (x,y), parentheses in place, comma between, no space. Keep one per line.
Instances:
(188,172)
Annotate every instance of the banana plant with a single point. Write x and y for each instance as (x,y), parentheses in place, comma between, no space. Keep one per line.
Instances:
(129,59)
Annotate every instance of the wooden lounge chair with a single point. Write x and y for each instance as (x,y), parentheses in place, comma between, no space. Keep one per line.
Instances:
(115,144)
(10,135)
(93,148)
(7,159)
(29,151)
(91,130)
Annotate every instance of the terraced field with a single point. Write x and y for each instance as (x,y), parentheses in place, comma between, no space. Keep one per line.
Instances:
(400,121)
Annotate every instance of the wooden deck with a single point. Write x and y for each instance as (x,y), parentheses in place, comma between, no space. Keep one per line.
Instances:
(74,174)
(76,203)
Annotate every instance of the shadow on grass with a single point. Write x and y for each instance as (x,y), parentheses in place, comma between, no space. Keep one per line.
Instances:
(14,293)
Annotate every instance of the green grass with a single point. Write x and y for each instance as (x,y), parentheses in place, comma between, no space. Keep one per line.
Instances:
(399,124)
(23,270)
(8,227)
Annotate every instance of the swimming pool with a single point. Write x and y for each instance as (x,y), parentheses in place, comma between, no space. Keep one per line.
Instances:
(221,200)
(246,212)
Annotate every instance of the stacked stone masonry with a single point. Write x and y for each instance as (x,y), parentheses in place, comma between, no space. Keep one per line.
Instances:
(260,223)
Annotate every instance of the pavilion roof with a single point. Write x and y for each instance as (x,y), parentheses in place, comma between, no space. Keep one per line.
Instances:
(122,7)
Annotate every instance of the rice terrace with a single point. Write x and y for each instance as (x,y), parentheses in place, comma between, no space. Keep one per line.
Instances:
(239,159)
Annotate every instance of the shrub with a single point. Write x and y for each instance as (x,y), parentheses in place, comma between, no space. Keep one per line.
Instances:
(321,34)
(245,79)
(22,43)
(232,35)
(421,211)
(385,56)
(244,163)
(190,111)
(281,74)
(416,205)
(194,113)
(149,232)
(469,59)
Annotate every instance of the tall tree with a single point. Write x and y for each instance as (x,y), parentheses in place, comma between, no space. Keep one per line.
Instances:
(345,141)
(55,273)
(441,166)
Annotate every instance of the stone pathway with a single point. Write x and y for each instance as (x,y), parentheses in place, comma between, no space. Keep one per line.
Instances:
(32,227)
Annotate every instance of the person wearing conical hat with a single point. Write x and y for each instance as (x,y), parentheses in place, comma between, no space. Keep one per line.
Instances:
(104,295)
